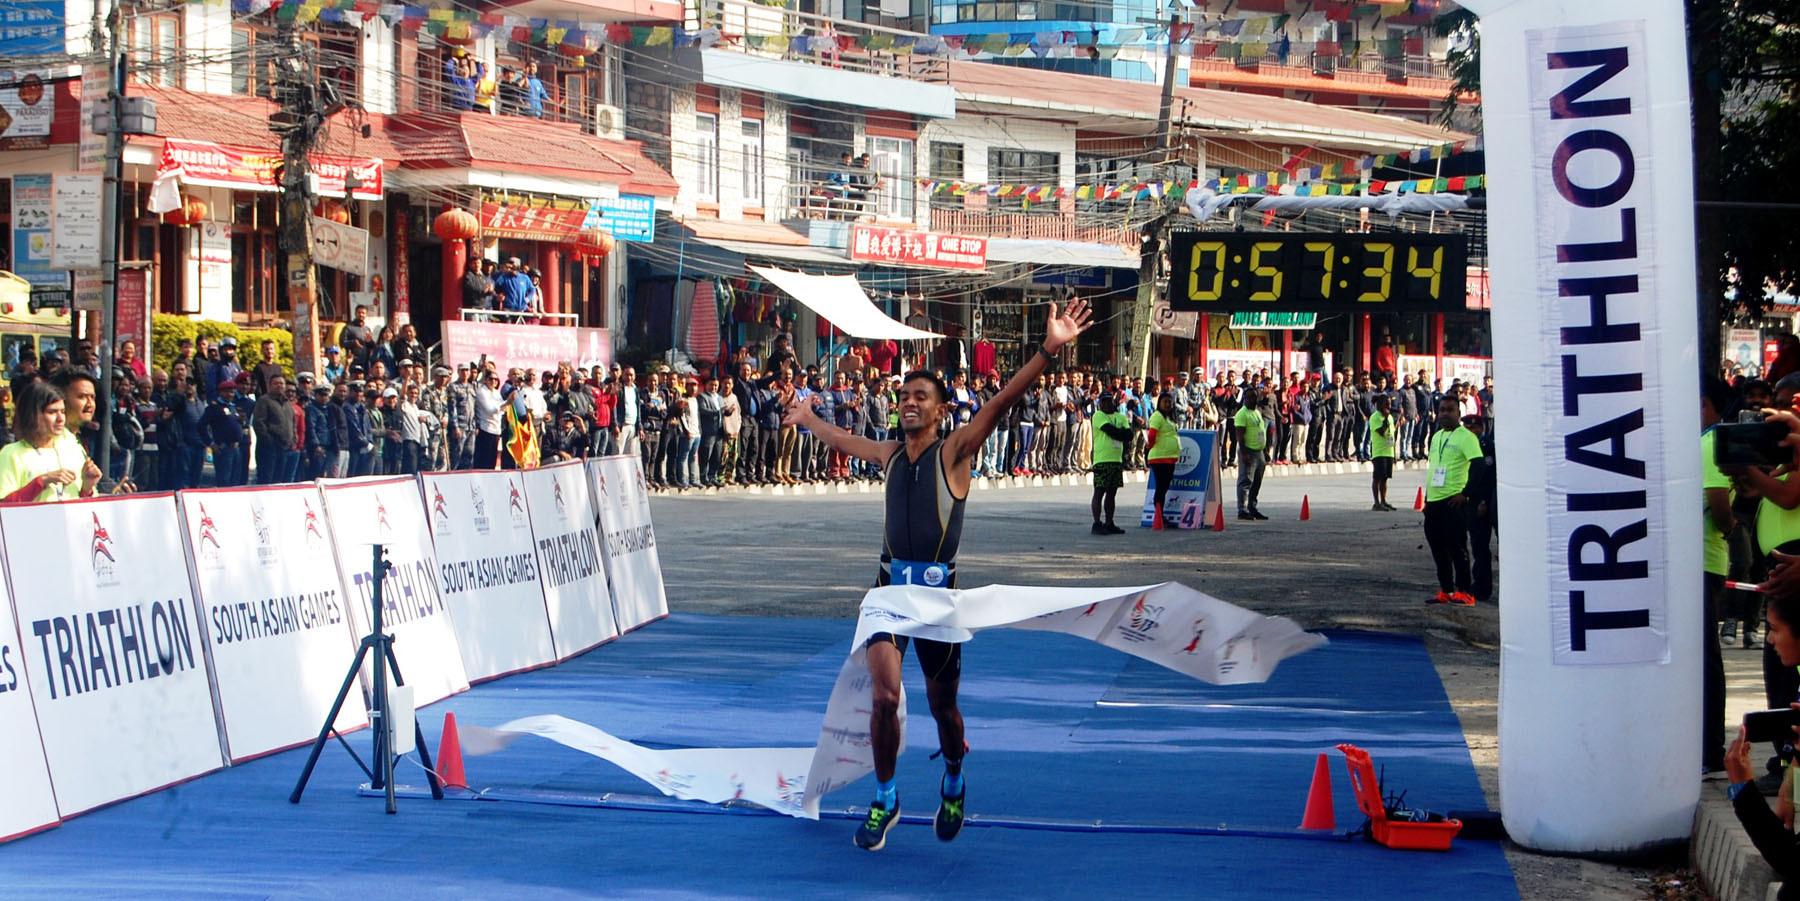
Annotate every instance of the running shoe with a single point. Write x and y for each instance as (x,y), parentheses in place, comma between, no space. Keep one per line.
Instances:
(872,834)
(1462,597)
(1442,597)
(949,820)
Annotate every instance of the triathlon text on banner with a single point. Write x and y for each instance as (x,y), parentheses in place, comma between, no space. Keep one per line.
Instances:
(1604,558)
(274,611)
(115,655)
(905,247)
(568,547)
(389,512)
(628,541)
(489,571)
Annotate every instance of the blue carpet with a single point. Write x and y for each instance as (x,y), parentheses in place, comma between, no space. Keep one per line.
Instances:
(1060,728)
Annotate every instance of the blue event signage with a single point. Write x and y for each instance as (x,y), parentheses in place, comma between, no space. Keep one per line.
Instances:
(629,217)
(31,27)
(1196,479)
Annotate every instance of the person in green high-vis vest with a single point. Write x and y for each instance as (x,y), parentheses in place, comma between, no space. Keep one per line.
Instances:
(1112,433)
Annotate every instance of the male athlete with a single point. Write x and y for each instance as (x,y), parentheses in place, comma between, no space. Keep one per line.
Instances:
(927,482)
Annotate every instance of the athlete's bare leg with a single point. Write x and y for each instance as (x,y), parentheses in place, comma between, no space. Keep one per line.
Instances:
(884,715)
(942,695)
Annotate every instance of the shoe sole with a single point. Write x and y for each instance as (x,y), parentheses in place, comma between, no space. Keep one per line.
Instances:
(880,843)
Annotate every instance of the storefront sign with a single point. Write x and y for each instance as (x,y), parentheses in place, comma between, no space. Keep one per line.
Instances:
(219,166)
(628,217)
(1743,348)
(902,247)
(33,216)
(32,28)
(340,246)
(27,106)
(402,268)
(528,220)
(1274,320)
(539,347)
(75,233)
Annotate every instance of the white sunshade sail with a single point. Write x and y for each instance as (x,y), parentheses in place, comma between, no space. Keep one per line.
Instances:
(841,299)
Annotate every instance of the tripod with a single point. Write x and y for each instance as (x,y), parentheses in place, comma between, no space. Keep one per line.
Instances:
(380,715)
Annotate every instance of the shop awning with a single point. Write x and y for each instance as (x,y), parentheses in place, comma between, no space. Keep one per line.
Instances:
(1060,253)
(822,256)
(840,299)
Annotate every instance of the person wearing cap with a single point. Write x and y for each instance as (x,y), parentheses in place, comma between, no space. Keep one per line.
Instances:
(565,442)
(226,370)
(460,417)
(390,441)
(334,365)
(223,429)
(514,288)
(275,426)
(435,399)
(320,451)
(359,427)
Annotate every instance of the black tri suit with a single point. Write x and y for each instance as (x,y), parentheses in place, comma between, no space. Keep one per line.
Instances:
(923,529)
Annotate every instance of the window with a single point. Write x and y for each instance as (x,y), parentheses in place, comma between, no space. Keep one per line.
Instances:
(1021,167)
(706,155)
(156,49)
(946,165)
(893,161)
(752,145)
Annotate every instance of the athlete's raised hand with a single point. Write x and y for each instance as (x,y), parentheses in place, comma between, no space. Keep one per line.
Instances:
(1061,329)
(800,412)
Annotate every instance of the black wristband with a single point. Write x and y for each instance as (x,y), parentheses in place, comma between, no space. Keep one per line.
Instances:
(1048,356)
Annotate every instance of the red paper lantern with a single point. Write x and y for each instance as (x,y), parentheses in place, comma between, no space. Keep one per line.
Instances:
(456,224)
(192,211)
(593,243)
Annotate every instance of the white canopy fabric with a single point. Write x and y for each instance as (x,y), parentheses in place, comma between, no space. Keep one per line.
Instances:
(841,299)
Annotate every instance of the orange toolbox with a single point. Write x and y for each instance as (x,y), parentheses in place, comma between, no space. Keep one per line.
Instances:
(1395,826)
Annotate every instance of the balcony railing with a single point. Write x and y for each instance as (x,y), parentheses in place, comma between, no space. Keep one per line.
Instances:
(1034,226)
(1365,68)
(775,32)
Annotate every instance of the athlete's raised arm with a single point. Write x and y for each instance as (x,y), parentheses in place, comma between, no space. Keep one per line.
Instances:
(803,415)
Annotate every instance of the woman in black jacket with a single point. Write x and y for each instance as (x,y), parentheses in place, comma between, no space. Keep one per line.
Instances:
(1779,846)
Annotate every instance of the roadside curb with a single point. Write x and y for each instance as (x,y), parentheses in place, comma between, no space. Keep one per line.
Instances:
(1722,853)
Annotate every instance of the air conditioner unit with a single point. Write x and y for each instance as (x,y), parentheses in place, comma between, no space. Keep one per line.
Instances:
(609,121)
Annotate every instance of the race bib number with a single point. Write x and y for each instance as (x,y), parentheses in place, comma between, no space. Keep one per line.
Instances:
(1440,476)
(912,572)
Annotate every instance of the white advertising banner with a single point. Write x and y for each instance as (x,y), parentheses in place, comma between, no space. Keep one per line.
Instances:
(1196,481)
(628,539)
(389,512)
(1468,370)
(1414,364)
(1219,361)
(488,571)
(277,627)
(1169,624)
(27,803)
(568,545)
(115,656)
(1592,259)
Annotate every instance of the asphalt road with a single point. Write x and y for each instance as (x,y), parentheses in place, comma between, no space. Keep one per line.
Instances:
(1347,567)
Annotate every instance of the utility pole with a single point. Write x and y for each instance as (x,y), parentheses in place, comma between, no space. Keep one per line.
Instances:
(109,229)
(1153,230)
(298,124)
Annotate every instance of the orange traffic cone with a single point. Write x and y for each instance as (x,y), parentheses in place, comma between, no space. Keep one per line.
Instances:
(1319,813)
(1305,508)
(1156,521)
(1419,499)
(449,759)
(1219,518)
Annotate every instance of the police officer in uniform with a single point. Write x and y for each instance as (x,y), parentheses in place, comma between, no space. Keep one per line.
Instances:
(927,483)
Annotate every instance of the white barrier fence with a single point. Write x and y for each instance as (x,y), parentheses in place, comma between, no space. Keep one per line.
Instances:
(205,628)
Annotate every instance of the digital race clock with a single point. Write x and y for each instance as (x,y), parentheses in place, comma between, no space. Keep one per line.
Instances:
(1232,271)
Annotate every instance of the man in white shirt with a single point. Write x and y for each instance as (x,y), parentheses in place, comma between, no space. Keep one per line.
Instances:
(490,406)
(625,415)
(413,426)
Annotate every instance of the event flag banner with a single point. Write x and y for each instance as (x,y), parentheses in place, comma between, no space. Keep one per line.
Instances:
(1595,346)
(1169,624)
(488,570)
(1196,481)
(27,803)
(628,541)
(388,512)
(277,628)
(568,546)
(115,655)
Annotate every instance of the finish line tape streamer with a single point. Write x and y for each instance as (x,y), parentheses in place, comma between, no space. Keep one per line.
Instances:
(1169,624)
